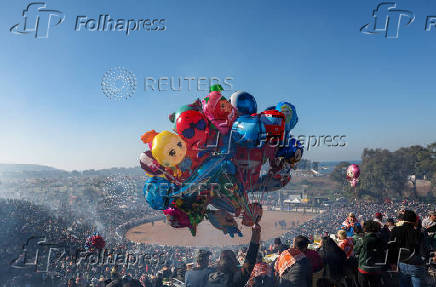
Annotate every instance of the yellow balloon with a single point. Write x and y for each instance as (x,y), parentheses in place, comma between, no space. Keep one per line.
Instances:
(168,149)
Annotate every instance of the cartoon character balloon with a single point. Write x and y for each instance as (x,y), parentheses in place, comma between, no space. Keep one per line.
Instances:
(290,113)
(219,111)
(353,173)
(167,148)
(192,126)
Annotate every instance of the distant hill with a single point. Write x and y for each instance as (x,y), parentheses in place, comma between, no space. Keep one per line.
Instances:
(5,167)
(40,171)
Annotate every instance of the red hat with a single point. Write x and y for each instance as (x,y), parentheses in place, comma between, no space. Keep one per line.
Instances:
(379,215)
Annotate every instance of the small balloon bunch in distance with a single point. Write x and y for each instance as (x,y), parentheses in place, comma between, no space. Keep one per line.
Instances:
(94,242)
(353,173)
(208,166)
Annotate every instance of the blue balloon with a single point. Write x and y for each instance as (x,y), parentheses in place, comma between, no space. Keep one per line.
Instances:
(157,191)
(210,169)
(244,103)
(293,150)
(249,131)
(269,183)
(290,113)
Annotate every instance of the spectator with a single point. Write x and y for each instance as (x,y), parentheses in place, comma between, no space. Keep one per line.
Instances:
(407,244)
(429,221)
(371,252)
(345,243)
(293,268)
(379,219)
(228,273)
(334,260)
(390,223)
(278,246)
(262,275)
(198,276)
(301,242)
(350,224)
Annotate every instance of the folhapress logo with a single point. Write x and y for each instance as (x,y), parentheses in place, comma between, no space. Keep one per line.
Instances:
(38,20)
(388,20)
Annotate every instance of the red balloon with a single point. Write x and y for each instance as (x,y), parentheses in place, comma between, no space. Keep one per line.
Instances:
(248,162)
(193,127)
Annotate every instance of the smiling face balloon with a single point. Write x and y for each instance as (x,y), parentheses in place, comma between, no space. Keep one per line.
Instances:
(166,147)
(193,128)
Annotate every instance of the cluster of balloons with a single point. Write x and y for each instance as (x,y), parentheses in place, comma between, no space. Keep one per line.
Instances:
(209,164)
(353,173)
(95,242)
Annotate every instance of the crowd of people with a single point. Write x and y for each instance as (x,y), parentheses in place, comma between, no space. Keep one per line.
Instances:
(360,253)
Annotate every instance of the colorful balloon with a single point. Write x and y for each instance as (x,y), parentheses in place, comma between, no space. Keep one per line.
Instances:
(157,191)
(353,173)
(193,128)
(224,221)
(293,152)
(290,113)
(216,87)
(274,122)
(219,111)
(244,103)
(167,148)
(249,131)
(252,213)
(177,218)
(248,162)
(220,167)
(95,241)
(195,106)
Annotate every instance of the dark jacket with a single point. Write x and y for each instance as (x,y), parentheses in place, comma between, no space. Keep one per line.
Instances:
(411,242)
(371,253)
(333,263)
(239,278)
(298,275)
(314,259)
(197,277)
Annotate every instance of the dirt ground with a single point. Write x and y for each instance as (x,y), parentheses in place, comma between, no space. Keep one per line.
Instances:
(207,235)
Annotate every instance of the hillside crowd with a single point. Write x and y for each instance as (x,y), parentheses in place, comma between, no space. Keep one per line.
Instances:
(356,244)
